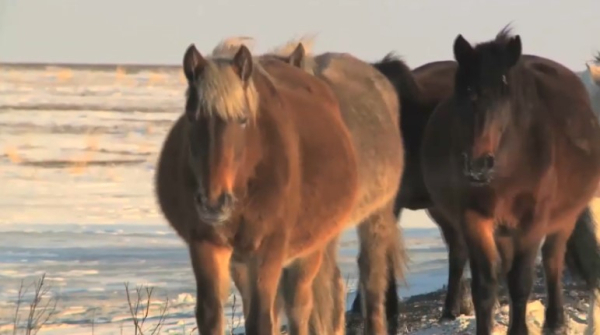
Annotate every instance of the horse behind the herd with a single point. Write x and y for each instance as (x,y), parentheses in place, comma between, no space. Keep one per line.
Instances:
(591,81)
(269,164)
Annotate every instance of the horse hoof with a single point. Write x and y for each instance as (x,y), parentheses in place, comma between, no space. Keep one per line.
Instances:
(557,330)
(466,303)
(446,317)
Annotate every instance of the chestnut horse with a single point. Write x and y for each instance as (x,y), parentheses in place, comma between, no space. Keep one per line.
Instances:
(365,97)
(262,171)
(515,153)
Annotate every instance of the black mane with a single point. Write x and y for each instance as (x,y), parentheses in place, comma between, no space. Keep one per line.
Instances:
(399,74)
(498,43)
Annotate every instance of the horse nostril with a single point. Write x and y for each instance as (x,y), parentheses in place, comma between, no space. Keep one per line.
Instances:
(225,200)
(489,161)
(200,198)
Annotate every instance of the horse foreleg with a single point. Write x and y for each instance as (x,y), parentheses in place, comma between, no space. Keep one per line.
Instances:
(265,272)
(297,290)
(241,278)
(211,268)
(520,283)
(457,259)
(479,236)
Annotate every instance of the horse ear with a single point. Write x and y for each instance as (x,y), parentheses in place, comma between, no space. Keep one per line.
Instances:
(193,63)
(297,57)
(463,51)
(242,63)
(513,50)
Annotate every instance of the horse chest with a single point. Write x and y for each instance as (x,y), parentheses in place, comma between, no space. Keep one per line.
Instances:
(515,211)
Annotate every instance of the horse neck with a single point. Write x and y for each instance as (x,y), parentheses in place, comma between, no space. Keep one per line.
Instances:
(267,145)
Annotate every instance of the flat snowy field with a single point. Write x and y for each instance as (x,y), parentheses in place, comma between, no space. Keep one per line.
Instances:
(78,149)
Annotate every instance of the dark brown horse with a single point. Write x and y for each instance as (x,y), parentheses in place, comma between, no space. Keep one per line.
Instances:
(515,153)
(420,93)
(262,171)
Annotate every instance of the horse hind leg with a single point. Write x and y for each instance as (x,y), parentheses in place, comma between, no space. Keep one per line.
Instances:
(457,260)
(553,253)
(329,292)
(392,299)
(520,279)
(583,258)
(381,255)
(338,291)
(593,328)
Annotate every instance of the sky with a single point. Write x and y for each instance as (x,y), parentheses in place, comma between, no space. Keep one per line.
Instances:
(159,31)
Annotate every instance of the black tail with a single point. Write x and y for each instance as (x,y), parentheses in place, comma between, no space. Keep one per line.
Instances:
(413,119)
(583,250)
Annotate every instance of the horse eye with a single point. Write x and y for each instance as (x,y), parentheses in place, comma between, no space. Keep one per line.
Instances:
(243,122)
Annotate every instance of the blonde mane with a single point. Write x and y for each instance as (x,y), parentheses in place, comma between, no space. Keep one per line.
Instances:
(286,49)
(220,90)
(307,41)
(229,46)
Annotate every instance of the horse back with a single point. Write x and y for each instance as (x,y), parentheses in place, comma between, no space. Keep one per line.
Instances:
(563,105)
(563,111)
(436,81)
(369,106)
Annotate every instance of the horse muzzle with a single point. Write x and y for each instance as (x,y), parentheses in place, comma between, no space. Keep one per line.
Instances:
(215,212)
(479,171)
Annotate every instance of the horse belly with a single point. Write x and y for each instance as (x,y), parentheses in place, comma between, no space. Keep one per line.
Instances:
(380,158)
(329,186)
(440,171)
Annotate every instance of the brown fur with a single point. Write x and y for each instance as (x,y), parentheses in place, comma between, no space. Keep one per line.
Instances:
(369,106)
(547,166)
(294,181)
(433,83)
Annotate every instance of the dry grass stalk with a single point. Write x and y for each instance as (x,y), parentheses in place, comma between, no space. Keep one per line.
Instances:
(39,313)
(134,309)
